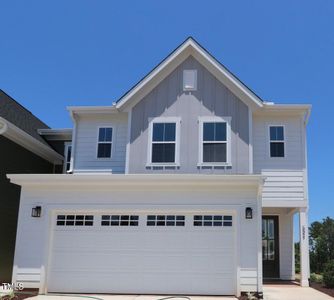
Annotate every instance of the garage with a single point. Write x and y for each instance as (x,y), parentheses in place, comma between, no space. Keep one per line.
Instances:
(143,253)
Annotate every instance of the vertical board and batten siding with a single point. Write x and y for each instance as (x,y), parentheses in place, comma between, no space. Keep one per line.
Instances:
(286,241)
(168,99)
(85,159)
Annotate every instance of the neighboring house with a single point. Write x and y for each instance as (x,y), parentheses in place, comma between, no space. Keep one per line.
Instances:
(22,150)
(188,184)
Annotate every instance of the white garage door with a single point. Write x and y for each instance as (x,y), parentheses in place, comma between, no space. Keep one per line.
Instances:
(137,253)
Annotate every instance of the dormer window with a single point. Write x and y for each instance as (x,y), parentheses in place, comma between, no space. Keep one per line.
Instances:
(189,80)
(104,143)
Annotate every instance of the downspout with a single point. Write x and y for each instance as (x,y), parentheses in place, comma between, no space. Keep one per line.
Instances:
(74,138)
(259,241)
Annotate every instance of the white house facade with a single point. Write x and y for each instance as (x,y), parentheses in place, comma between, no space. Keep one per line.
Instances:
(188,184)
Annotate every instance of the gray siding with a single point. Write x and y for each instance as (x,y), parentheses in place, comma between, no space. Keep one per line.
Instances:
(294,144)
(85,157)
(212,98)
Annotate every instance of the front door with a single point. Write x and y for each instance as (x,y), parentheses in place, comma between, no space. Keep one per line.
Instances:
(270,247)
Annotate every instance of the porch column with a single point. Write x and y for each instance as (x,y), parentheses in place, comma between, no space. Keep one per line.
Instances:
(304,247)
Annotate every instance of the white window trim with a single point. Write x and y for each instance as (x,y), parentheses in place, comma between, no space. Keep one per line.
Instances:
(97,142)
(202,120)
(66,145)
(177,121)
(195,80)
(270,141)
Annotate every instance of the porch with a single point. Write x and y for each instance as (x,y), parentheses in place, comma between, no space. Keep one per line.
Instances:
(279,233)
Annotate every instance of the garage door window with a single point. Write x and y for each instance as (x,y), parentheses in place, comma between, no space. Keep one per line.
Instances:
(119,220)
(208,220)
(75,220)
(165,220)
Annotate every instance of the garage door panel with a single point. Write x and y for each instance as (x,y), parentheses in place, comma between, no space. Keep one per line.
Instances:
(143,259)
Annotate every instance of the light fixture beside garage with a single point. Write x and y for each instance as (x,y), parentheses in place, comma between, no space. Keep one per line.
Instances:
(249,213)
(36,212)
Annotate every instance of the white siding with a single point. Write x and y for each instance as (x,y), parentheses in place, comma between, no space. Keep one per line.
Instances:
(294,143)
(85,156)
(286,244)
(283,185)
(34,238)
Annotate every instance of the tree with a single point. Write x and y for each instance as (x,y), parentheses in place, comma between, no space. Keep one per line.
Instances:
(321,244)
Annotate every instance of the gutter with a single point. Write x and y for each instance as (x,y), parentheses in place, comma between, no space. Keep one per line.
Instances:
(138,180)
(20,137)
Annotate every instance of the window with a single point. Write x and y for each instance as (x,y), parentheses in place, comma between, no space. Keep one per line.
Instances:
(119,220)
(67,157)
(75,220)
(104,142)
(216,221)
(214,137)
(276,141)
(165,220)
(163,146)
(189,80)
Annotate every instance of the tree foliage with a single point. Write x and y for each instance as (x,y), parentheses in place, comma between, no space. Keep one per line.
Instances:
(321,244)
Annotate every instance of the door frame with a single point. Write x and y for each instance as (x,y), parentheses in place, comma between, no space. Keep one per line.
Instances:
(277,244)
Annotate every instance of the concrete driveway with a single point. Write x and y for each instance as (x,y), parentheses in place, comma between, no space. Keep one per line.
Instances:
(292,292)
(271,292)
(126,297)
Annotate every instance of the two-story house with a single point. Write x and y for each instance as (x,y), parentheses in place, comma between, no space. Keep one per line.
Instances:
(188,184)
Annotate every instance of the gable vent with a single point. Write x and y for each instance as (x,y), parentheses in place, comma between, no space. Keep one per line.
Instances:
(189,80)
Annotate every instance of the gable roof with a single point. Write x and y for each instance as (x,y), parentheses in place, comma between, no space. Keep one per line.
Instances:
(21,126)
(19,116)
(162,70)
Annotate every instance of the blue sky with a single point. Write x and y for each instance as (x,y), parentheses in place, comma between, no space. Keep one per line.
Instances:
(59,53)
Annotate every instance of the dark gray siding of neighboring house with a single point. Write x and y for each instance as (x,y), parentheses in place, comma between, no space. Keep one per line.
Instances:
(13,159)
(212,98)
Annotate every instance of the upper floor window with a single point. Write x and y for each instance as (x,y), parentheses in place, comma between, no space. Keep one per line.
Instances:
(277,141)
(189,80)
(163,148)
(67,157)
(104,143)
(214,141)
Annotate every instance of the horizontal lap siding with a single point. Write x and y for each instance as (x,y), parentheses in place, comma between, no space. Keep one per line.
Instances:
(283,185)
(294,145)
(86,144)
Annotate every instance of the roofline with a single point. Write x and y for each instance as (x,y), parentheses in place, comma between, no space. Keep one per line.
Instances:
(189,42)
(56,131)
(92,109)
(27,110)
(61,134)
(25,140)
(302,109)
(119,180)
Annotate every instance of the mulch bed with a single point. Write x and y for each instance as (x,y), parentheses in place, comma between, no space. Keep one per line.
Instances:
(20,295)
(321,288)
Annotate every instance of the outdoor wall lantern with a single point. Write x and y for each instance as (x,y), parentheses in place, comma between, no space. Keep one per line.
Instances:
(249,213)
(36,212)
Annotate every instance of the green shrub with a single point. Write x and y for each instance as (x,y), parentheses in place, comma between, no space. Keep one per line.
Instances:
(328,277)
(317,278)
